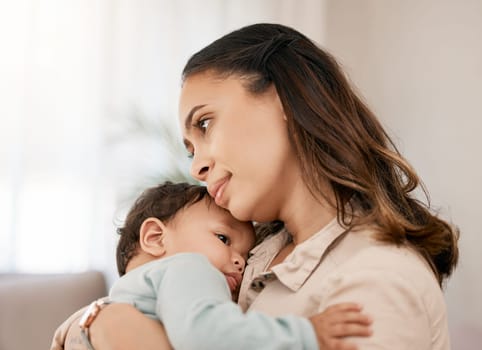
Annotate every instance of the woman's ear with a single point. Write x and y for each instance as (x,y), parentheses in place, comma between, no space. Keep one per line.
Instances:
(151,237)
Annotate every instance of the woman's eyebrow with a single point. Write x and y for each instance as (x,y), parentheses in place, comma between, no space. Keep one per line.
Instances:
(188,121)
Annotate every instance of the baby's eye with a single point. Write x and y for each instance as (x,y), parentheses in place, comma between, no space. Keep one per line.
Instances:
(225,239)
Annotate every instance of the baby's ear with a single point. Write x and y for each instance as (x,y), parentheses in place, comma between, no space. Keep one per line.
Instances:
(151,237)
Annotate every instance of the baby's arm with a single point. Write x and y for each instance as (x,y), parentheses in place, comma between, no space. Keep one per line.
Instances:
(195,306)
(121,327)
(194,303)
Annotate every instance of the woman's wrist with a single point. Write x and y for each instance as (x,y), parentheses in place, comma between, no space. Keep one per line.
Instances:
(73,338)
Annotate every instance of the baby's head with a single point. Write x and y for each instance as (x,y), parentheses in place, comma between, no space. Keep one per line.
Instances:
(181,218)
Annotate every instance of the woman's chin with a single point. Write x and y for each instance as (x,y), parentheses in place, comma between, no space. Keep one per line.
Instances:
(244,213)
(239,212)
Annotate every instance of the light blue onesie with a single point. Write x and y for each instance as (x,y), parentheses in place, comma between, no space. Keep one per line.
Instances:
(193,301)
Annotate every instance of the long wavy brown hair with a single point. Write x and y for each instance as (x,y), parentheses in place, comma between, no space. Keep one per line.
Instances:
(336,137)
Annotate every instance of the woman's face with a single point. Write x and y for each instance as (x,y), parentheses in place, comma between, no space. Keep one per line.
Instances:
(239,143)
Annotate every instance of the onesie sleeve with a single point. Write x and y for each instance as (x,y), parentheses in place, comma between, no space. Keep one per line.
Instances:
(195,306)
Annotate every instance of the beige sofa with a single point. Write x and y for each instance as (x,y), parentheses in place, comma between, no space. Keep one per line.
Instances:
(32,306)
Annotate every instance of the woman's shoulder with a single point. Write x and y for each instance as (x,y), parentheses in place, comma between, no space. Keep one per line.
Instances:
(392,283)
(361,251)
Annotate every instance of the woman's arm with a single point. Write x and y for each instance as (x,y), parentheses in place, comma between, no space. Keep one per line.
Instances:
(123,327)
(67,335)
(396,305)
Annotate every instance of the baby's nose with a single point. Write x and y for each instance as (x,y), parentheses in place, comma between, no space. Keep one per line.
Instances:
(239,264)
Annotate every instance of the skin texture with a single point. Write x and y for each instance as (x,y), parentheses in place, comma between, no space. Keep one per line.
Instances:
(213,232)
(232,135)
(202,228)
(216,154)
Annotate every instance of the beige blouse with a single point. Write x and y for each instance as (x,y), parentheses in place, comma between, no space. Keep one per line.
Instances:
(395,286)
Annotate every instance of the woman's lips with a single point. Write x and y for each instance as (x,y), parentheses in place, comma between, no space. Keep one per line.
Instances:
(217,189)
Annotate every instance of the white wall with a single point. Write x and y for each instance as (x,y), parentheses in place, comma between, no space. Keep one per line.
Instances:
(87,88)
(419,65)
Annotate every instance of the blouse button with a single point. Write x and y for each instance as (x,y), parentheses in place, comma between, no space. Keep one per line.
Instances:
(259,282)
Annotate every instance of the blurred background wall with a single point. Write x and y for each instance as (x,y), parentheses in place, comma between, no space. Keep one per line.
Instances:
(88,98)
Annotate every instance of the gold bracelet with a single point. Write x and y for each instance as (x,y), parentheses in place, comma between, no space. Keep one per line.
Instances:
(89,316)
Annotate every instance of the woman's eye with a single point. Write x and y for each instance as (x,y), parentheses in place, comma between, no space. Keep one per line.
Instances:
(203,124)
(225,239)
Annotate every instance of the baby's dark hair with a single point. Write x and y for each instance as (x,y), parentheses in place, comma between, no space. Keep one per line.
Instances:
(161,202)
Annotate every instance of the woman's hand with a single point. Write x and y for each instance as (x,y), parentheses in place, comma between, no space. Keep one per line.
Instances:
(122,327)
(340,321)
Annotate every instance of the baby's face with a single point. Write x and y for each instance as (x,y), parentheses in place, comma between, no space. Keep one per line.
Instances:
(210,230)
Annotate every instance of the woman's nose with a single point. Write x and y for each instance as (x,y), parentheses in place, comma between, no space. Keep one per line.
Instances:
(200,168)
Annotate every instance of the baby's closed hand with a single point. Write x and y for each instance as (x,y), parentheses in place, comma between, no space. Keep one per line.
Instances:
(337,322)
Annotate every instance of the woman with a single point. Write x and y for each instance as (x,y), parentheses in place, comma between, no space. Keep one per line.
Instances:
(279,136)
